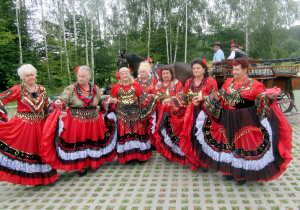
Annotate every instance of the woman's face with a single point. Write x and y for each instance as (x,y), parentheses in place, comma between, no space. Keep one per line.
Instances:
(166,75)
(29,79)
(198,70)
(143,73)
(124,76)
(82,78)
(239,73)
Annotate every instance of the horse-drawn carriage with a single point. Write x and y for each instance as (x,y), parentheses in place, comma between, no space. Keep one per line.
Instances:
(271,73)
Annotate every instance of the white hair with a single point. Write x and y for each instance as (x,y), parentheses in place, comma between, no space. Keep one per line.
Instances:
(146,66)
(26,69)
(131,79)
(85,69)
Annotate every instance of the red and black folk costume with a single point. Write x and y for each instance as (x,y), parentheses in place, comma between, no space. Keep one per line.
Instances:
(20,138)
(243,136)
(133,107)
(148,86)
(85,139)
(169,123)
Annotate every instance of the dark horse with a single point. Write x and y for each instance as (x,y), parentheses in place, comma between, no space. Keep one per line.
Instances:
(182,71)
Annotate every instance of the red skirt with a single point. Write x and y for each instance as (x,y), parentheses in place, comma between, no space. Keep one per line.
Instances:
(82,143)
(19,149)
(133,143)
(167,135)
(241,145)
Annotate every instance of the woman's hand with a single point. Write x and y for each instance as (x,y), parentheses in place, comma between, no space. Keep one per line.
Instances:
(196,100)
(166,101)
(273,96)
(58,102)
(113,101)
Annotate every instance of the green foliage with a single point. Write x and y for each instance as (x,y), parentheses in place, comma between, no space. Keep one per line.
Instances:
(265,22)
(295,32)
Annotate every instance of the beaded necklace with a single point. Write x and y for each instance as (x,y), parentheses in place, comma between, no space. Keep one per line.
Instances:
(85,92)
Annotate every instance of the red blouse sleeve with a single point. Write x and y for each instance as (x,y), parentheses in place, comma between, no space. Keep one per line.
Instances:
(114,90)
(154,82)
(10,95)
(187,86)
(212,85)
(138,88)
(178,87)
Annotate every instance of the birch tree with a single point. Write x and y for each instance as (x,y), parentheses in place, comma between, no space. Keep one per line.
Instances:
(45,41)
(74,25)
(167,40)
(62,24)
(149,29)
(85,33)
(92,52)
(18,8)
(186,30)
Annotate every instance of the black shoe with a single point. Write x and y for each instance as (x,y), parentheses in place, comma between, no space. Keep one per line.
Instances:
(241,182)
(153,147)
(128,162)
(205,170)
(82,173)
(141,162)
(228,178)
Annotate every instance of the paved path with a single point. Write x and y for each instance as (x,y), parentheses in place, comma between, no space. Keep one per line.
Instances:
(159,184)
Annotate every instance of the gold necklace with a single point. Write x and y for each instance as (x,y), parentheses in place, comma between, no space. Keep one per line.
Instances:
(29,90)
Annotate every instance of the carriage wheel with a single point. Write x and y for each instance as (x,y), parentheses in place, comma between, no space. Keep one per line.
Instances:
(285,101)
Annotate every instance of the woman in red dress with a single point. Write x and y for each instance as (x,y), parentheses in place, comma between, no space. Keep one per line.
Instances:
(170,123)
(85,140)
(146,81)
(133,140)
(167,130)
(20,137)
(246,136)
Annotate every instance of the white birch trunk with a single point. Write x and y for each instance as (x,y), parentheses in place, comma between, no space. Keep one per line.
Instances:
(98,19)
(247,26)
(119,25)
(75,29)
(92,52)
(176,46)
(85,34)
(170,34)
(45,42)
(167,41)
(64,37)
(19,32)
(186,29)
(149,29)
(104,20)
(60,38)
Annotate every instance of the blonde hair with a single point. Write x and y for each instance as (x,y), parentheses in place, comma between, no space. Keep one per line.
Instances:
(26,69)
(146,66)
(85,69)
(131,79)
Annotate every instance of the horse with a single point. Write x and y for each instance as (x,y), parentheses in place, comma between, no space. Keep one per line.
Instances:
(182,71)
(130,60)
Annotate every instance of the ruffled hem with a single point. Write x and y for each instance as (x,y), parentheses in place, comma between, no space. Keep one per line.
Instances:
(18,171)
(268,166)
(186,144)
(123,158)
(164,143)
(55,152)
(15,179)
(79,166)
(285,143)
